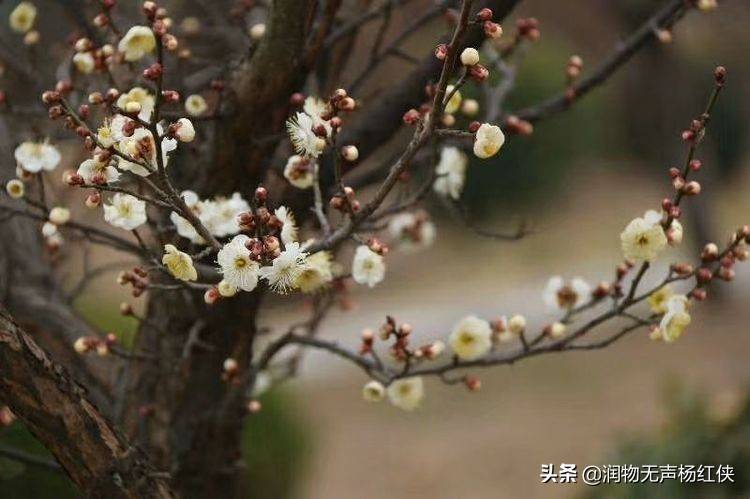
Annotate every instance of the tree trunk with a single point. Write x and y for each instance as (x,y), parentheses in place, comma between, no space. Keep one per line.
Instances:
(55,409)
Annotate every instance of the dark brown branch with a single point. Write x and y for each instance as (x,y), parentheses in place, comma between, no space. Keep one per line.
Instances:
(664,18)
(57,411)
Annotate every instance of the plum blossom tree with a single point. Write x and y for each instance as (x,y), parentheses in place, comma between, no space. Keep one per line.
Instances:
(231,181)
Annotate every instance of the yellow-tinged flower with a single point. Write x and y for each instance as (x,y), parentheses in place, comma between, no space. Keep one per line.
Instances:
(659,298)
(488,141)
(675,320)
(195,105)
(454,104)
(137,42)
(180,264)
(317,274)
(643,239)
(23,16)
(406,393)
(471,338)
(374,391)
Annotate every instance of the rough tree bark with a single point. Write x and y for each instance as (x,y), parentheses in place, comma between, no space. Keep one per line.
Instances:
(56,410)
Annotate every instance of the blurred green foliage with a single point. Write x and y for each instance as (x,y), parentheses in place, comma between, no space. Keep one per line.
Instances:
(530,167)
(699,430)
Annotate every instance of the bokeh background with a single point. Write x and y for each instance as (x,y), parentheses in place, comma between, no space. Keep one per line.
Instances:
(578,180)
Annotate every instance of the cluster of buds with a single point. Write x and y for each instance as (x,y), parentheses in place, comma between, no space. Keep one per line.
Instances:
(491,29)
(137,277)
(102,347)
(89,58)
(377,246)
(430,351)
(400,349)
(102,20)
(736,252)
(681,185)
(345,202)
(621,271)
(556,330)
(528,28)
(516,126)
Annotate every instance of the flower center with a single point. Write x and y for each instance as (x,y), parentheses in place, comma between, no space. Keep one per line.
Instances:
(240,262)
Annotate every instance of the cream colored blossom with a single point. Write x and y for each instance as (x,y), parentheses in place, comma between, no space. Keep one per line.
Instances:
(284,272)
(317,274)
(406,393)
(454,104)
(195,105)
(140,96)
(179,264)
(368,267)
(412,231)
(37,156)
(238,268)
(22,18)
(373,391)
(659,298)
(59,215)
(84,62)
(643,239)
(303,138)
(676,319)
(15,188)
(565,296)
(451,172)
(92,168)
(137,43)
(226,290)
(125,211)
(289,225)
(471,338)
(299,172)
(488,140)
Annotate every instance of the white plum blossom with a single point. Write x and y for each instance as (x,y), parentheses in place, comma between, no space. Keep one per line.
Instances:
(675,320)
(317,108)
(179,264)
(141,146)
(299,172)
(368,267)
(185,131)
(561,295)
(84,62)
(218,215)
(137,43)
(658,300)
(22,18)
(15,188)
(37,156)
(454,104)
(125,211)
(237,267)
(140,96)
(451,172)
(195,105)
(317,274)
(488,140)
(91,168)
(406,393)
(373,391)
(304,140)
(284,272)
(289,226)
(471,338)
(59,215)
(412,231)
(643,238)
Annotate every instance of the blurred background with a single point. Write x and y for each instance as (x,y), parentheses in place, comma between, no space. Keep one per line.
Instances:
(577,180)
